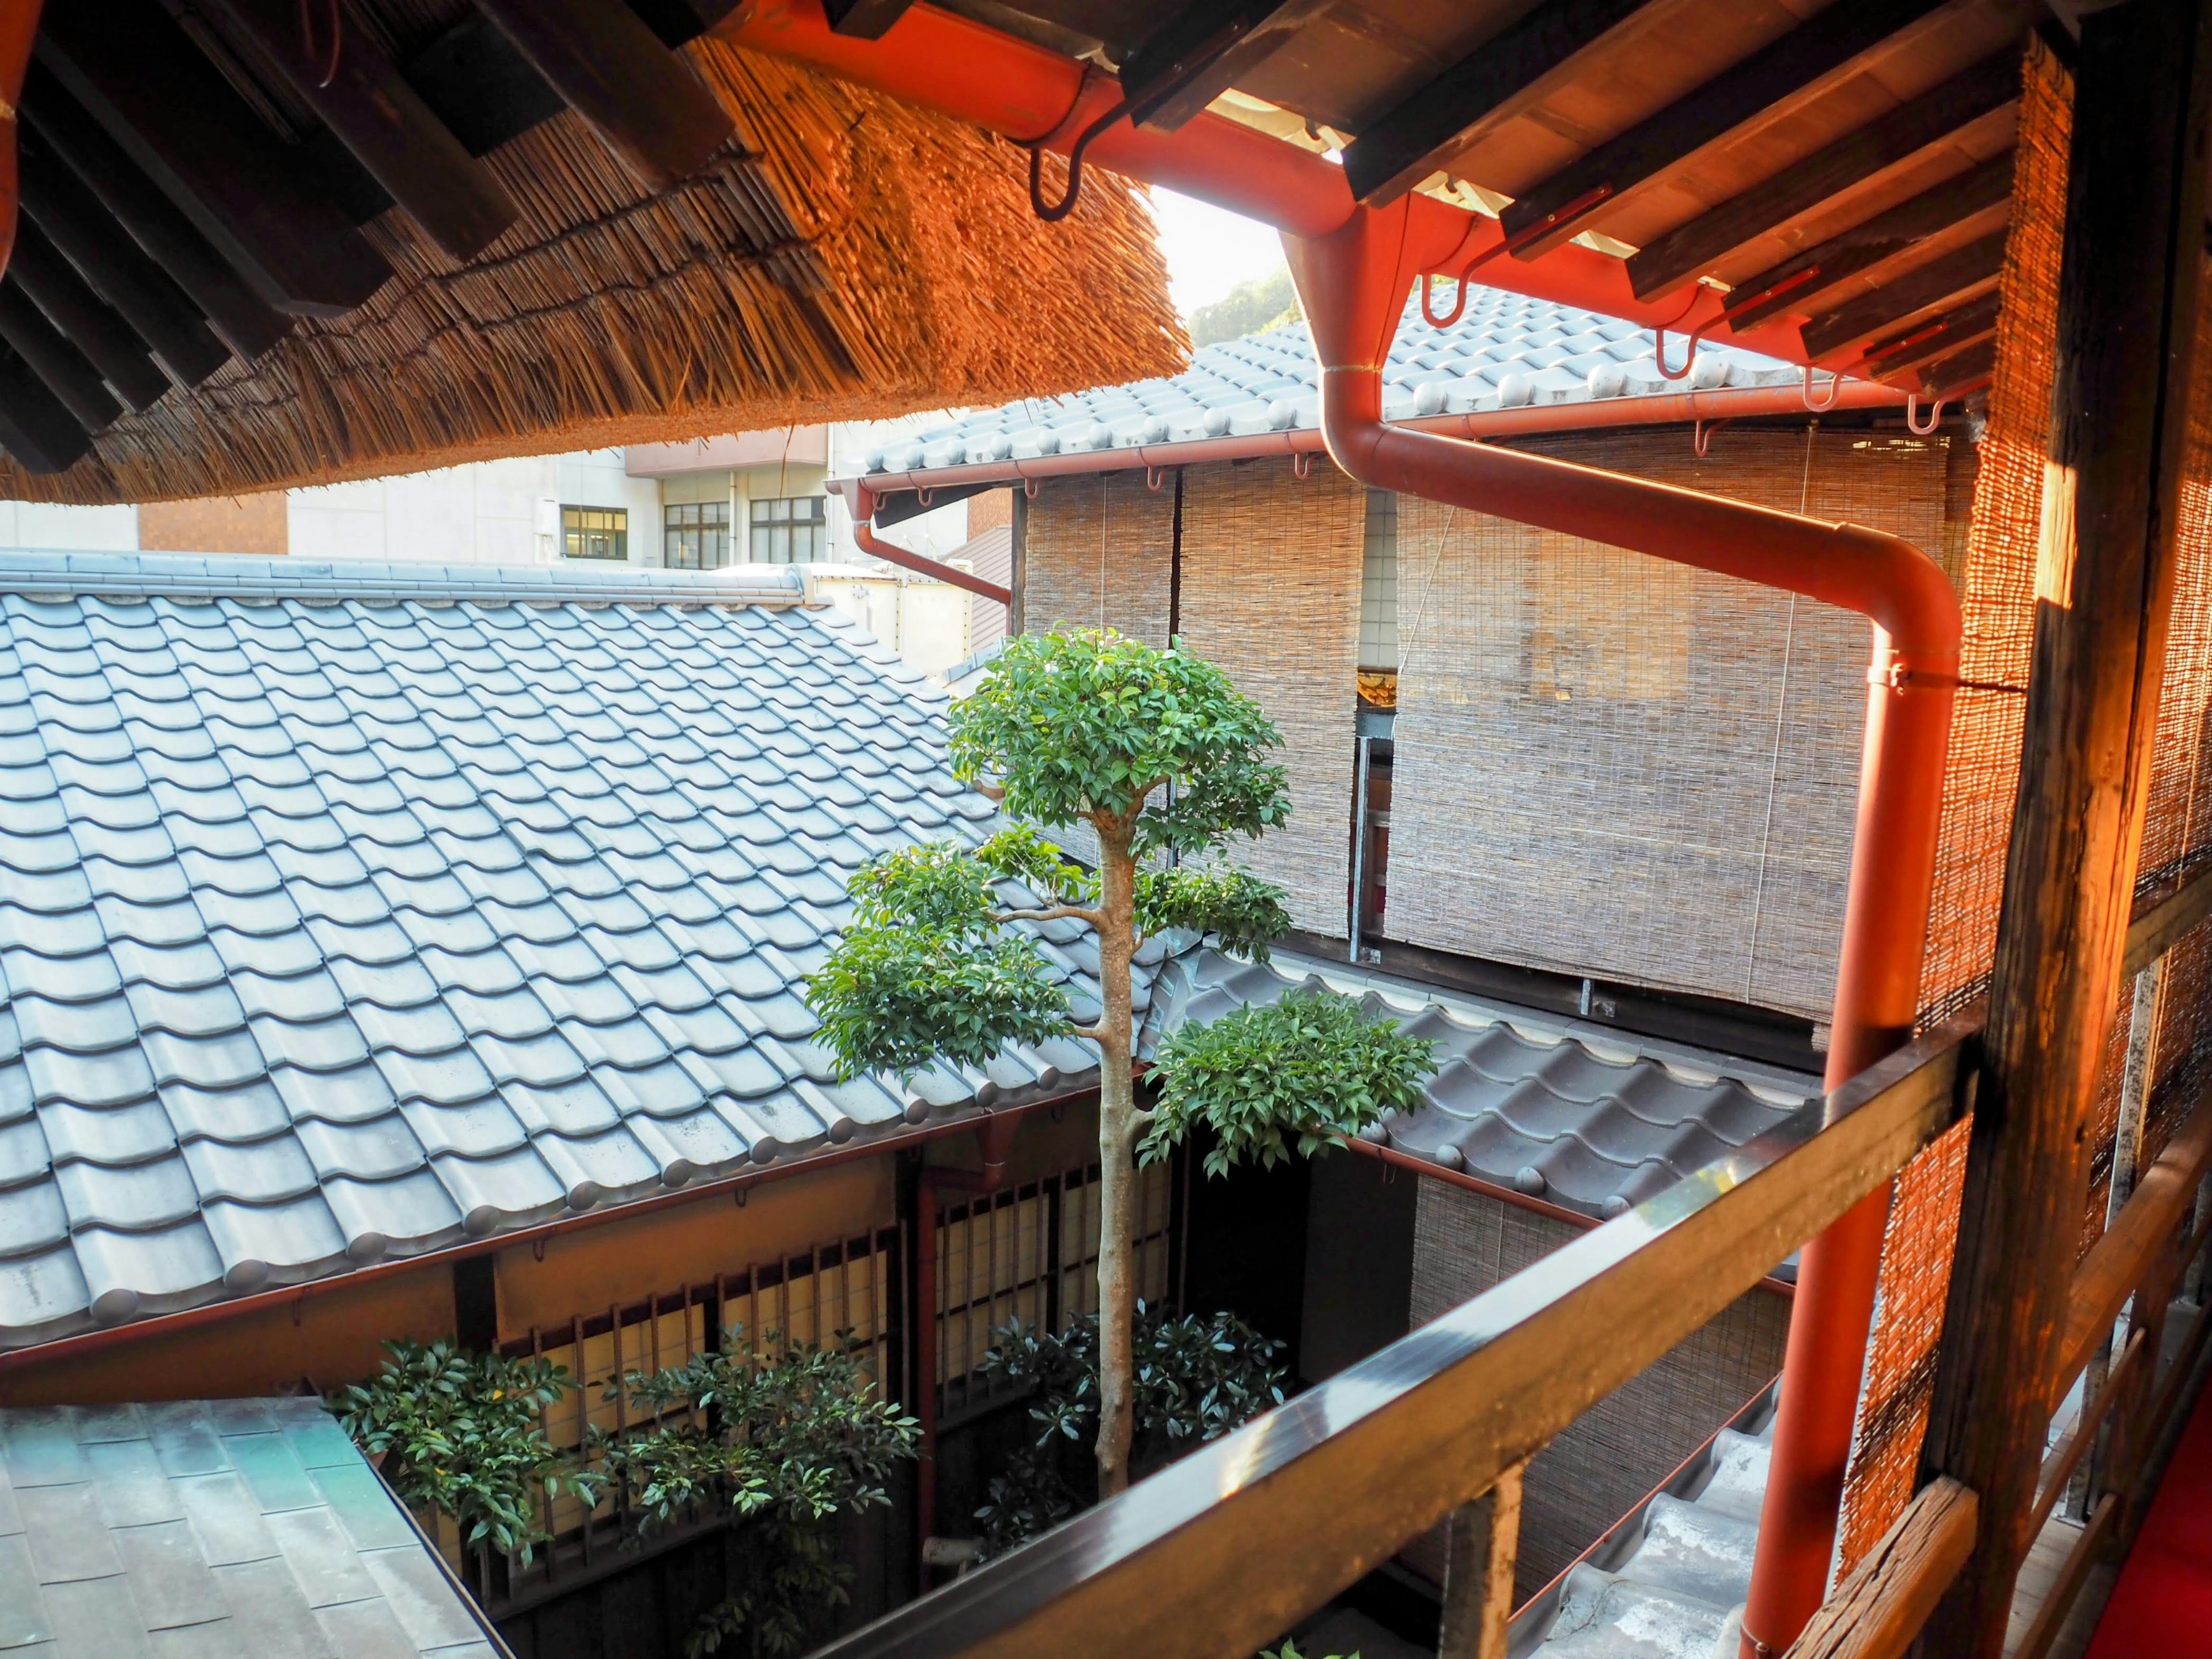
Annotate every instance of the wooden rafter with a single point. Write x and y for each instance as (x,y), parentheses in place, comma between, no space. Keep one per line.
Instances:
(36,428)
(59,203)
(140,75)
(1395,152)
(1686,251)
(643,99)
(1771,80)
(233,310)
(1939,335)
(1204,50)
(114,347)
(1801,282)
(67,373)
(386,124)
(1941,281)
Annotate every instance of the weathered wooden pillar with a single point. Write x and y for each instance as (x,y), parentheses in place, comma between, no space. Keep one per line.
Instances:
(2127,322)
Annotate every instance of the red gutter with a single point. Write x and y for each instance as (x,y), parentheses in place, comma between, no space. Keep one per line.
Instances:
(1353,284)
(1662,409)
(1028,93)
(862,503)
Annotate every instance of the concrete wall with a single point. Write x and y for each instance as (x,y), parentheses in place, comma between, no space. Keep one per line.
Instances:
(68,529)
(504,512)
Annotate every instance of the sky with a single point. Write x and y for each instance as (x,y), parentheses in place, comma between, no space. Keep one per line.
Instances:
(1209,250)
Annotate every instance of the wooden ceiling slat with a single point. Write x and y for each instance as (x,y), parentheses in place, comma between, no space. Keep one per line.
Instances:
(1209,46)
(141,75)
(1920,289)
(1800,282)
(87,321)
(481,87)
(1956,375)
(1394,153)
(67,373)
(239,315)
(642,99)
(1572,199)
(36,428)
(864,20)
(59,203)
(387,125)
(1688,250)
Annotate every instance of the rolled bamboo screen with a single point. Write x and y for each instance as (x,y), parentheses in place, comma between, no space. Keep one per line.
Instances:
(1982,776)
(1610,765)
(1270,592)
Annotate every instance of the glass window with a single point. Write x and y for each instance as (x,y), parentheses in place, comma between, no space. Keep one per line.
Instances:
(696,536)
(789,530)
(594,532)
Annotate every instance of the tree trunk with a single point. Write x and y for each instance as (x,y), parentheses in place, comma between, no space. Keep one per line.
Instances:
(1117,1137)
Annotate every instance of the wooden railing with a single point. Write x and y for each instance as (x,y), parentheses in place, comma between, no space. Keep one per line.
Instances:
(1223,1551)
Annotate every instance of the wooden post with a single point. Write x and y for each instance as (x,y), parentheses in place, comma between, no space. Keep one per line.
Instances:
(1483,1546)
(2126,331)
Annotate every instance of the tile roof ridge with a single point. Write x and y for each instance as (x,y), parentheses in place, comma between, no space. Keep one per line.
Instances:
(38,572)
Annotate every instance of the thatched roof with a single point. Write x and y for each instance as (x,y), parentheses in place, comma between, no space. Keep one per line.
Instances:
(844,257)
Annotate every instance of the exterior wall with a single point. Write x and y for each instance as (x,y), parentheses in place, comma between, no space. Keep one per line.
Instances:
(43,526)
(216,523)
(1625,1445)
(503,511)
(928,622)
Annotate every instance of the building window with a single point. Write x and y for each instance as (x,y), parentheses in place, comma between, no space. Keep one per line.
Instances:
(594,532)
(696,536)
(788,530)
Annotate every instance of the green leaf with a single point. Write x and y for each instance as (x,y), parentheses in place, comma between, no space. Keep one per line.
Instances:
(1312,1068)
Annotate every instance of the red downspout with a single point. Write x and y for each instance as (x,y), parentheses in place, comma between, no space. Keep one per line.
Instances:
(865,538)
(1353,284)
(1353,267)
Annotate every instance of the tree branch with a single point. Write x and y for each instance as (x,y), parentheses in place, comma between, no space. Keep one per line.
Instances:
(988,791)
(1049,913)
(1091,1033)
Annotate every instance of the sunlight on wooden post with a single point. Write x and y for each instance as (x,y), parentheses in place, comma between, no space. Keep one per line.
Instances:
(1485,1545)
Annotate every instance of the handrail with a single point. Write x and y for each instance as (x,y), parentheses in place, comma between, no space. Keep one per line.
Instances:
(1221,1552)
(1875,1612)
(2159,923)
(2119,1262)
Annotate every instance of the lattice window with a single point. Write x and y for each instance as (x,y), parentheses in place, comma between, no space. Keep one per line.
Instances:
(1031,1253)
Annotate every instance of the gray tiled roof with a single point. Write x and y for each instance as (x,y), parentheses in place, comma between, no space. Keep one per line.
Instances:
(1588,1117)
(1505,351)
(334,930)
(223,1529)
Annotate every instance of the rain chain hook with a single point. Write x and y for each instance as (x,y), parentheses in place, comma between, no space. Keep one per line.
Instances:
(1054,213)
(1835,390)
(1912,417)
(1659,337)
(1302,463)
(1701,433)
(1459,302)
(330,59)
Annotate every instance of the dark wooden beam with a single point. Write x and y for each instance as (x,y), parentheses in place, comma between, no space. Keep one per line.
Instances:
(864,20)
(71,215)
(1945,332)
(2127,332)
(1395,152)
(1688,249)
(233,310)
(1202,52)
(130,64)
(1800,282)
(388,126)
(1568,202)
(1949,277)
(68,374)
(481,87)
(36,428)
(116,349)
(657,114)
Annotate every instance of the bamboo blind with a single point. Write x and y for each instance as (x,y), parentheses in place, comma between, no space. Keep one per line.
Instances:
(1980,782)
(1611,765)
(1271,578)
(1270,592)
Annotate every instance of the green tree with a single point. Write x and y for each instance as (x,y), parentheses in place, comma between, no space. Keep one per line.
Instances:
(1259,303)
(463,1433)
(785,1439)
(1168,764)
